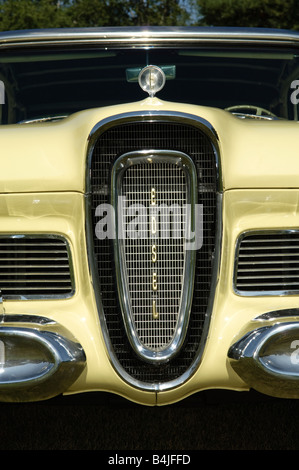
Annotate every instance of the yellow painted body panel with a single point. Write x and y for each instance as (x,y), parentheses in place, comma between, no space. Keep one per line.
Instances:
(233,315)
(51,157)
(63,214)
(42,184)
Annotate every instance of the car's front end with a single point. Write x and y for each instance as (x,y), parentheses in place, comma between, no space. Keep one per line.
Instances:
(149,244)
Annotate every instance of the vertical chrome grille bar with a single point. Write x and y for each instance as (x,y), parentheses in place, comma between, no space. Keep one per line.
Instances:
(154,295)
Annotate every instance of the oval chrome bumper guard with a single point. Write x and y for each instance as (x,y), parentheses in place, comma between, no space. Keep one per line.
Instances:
(36,363)
(267,359)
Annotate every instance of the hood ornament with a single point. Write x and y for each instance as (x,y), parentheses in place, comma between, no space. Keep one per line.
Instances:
(151,79)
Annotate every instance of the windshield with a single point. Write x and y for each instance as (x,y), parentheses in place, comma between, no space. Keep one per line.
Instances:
(41,84)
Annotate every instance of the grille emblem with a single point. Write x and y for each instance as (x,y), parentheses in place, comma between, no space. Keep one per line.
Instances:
(155,313)
(154,253)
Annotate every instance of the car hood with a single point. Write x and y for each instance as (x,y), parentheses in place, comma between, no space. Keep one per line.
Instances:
(41,157)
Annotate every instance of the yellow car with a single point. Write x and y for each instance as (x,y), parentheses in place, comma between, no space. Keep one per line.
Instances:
(149,212)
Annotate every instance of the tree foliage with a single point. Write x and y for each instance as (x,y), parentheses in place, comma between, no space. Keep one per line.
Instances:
(85,13)
(158,12)
(21,14)
(24,14)
(250,13)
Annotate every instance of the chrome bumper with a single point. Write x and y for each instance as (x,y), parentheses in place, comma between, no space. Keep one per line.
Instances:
(38,359)
(267,359)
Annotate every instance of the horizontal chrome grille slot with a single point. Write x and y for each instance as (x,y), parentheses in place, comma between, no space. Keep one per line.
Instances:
(34,266)
(267,263)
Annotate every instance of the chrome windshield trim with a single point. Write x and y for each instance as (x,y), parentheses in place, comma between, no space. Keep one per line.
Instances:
(129,36)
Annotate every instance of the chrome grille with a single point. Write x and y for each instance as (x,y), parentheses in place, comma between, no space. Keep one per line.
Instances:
(107,144)
(268,263)
(170,187)
(34,266)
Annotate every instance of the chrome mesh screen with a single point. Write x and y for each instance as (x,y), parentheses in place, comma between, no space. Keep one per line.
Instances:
(155,328)
(109,145)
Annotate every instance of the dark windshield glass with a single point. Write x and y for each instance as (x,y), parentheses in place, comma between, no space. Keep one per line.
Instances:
(41,84)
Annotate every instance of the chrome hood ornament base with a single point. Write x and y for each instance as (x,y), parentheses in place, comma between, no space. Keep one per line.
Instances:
(151,79)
